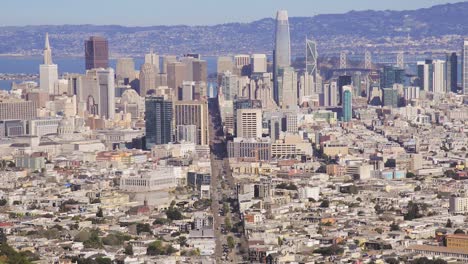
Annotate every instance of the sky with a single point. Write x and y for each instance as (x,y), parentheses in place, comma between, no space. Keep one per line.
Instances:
(176,12)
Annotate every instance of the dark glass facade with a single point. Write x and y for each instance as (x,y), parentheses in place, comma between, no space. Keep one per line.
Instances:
(158,117)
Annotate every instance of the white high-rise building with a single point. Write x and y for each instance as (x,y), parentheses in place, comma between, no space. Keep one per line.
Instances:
(153,59)
(259,63)
(229,85)
(106,92)
(147,78)
(48,72)
(439,77)
(465,67)
(241,60)
(287,81)
(249,123)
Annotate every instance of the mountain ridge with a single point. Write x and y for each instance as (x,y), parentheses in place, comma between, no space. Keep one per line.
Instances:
(373,29)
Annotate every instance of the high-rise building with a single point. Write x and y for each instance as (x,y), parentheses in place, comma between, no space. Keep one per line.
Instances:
(166,60)
(48,71)
(452,72)
(411,92)
(158,117)
(125,70)
(229,85)
(175,75)
(439,77)
(287,83)
(465,67)
(343,80)
(390,97)
(147,78)
(193,113)
(282,52)
(96,53)
(390,76)
(426,75)
(259,63)
(224,64)
(186,92)
(249,123)
(282,40)
(311,57)
(241,60)
(153,59)
(347,103)
(200,71)
(106,84)
(186,133)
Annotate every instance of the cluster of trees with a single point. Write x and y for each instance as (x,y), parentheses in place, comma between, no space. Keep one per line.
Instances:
(90,238)
(330,251)
(414,211)
(285,186)
(325,204)
(116,239)
(98,260)
(10,255)
(158,248)
(173,213)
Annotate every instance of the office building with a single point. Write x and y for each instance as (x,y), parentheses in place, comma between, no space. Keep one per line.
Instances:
(282,52)
(465,68)
(347,103)
(200,71)
(186,133)
(311,58)
(343,80)
(426,75)
(157,179)
(287,87)
(439,77)
(411,92)
(241,60)
(96,53)
(193,113)
(97,90)
(48,71)
(249,123)
(452,72)
(390,97)
(147,78)
(458,204)
(390,76)
(175,75)
(259,63)
(224,64)
(125,70)
(166,60)
(153,59)
(158,117)
(241,148)
(12,128)
(18,110)
(229,85)
(186,92)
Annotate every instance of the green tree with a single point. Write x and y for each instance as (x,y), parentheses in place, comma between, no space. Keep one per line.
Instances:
(182,241)
(173,213)
(230,242)
(410,175)
(227,223)
(329,251)
(390,163)
(143,228)
(94,241)
(459,231)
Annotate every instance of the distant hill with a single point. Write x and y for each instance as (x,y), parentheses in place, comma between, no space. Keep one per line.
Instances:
(437,27)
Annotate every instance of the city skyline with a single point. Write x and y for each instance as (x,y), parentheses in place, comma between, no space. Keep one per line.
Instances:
(195,13)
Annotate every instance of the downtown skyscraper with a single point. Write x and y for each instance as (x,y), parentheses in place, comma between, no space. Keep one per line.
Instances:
(465,68)
(282,52)
(158,117)
(48,71)
(96,53)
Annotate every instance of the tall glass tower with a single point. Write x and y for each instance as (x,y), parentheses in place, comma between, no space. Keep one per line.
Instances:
(347,103)
(465,67)
(158,117)
(282,52)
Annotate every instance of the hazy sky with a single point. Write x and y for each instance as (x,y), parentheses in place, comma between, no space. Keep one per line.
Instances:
(190,12)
